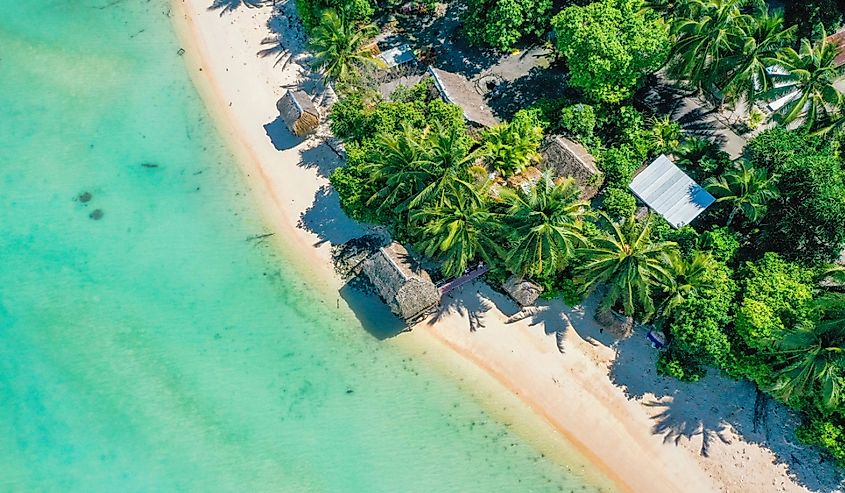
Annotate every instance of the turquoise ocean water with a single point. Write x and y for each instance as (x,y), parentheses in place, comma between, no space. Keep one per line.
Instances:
(149,347)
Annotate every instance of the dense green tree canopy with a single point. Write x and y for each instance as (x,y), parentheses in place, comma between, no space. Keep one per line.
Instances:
(502,23)
(610,46)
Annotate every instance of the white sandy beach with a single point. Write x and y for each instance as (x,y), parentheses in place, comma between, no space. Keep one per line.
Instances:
(646,433)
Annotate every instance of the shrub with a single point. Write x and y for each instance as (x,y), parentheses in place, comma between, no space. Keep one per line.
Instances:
(579,121)
(672,365)
(619,165)
(826,434)
(619,203)
(776,296)
(722,243)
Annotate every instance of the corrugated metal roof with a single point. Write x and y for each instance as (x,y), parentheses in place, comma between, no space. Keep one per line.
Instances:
(670,192)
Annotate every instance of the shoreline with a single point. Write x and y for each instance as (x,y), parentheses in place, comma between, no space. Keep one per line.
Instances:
(570,394)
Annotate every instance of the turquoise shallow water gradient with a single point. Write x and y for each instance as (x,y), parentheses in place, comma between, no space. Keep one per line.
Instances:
(155,349)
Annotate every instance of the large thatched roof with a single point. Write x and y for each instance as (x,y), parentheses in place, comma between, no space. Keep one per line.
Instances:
(299,112)
(407,290)
(522,291)
(570,159)
(458,90)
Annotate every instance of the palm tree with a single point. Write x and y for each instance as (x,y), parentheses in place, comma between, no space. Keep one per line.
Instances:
(745,70)
(689,276)
(699,156)
(510,147)
(546,223)
(630,263)
(705,33)
(401,168)
(747,188)
(808,74)
(815,353)
(456,232)
(336,43)
(447,156)
(665,133)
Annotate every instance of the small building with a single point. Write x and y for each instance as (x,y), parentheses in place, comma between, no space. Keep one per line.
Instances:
(299,113)
(523,291)
(459,91)
(398,56)
(407,290)
(570,159)
(670,192)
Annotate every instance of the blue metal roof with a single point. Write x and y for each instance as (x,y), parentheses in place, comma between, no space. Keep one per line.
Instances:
(670,192)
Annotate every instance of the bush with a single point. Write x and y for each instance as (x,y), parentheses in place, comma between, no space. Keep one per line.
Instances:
(722,243)
(826,434)
(698,323)
(619,203)
(579,122)
(502,23)
(672,365)
(808,14)
(563,288)
(619,165)
(776,296)
(510,147)
(310,11)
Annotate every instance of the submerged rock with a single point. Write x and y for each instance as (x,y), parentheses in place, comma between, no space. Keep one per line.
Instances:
(96,214)
(84,197)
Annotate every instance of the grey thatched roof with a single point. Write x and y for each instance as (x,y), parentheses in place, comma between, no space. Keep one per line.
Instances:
(460,91)
(299,112)
(618,325)
(407,290)
(570,159)
(522,291)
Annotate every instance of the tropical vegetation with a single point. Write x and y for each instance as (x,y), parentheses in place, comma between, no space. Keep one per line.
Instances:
(746,289)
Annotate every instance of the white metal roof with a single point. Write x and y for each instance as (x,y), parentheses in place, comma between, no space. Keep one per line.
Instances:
(670,192)
(397,56)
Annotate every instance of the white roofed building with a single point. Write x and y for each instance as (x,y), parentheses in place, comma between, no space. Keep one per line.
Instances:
(670,192)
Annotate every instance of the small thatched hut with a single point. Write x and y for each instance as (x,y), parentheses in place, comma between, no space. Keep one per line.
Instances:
(617,324)
(570,159)
(408,291)
(299,112)
(522,291)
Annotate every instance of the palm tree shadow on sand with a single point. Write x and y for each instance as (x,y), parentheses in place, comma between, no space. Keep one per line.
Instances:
(225,6)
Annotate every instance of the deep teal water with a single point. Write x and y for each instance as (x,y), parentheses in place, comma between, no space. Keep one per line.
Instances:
(155,349)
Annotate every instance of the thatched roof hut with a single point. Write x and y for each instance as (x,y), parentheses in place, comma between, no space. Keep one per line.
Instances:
(299,112)
(522,291)
(459,91)
(618,325)
(570,159)
(407,290)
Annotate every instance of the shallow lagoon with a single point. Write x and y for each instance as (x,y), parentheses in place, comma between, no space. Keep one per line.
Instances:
(151,346)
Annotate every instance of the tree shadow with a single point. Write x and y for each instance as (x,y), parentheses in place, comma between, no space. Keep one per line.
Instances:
(467,301)
(451,51)
(321,158)
(716,408)
(326,219)
(539,83)
(225,6)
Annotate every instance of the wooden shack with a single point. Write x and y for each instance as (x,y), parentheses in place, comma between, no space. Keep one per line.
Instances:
(406,289)
(570,159)
(299,113)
